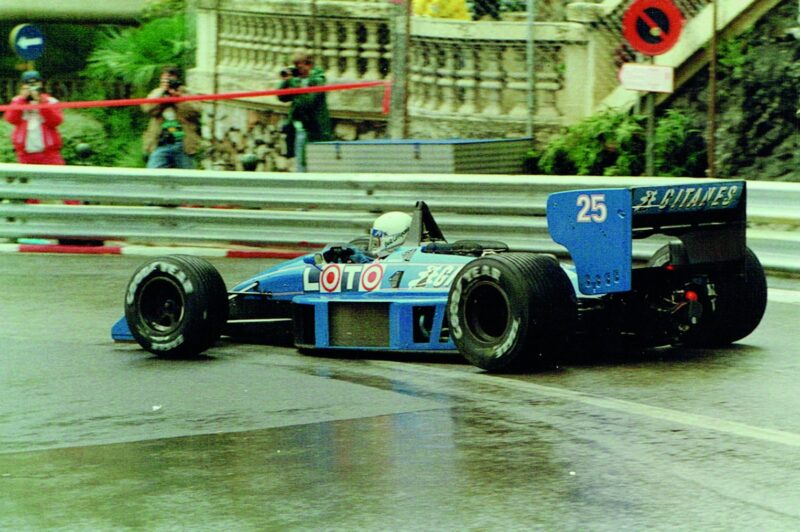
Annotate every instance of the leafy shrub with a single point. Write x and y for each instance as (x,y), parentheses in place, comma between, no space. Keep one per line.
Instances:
(679,147)
(608,143)
(123,128)
(613,144)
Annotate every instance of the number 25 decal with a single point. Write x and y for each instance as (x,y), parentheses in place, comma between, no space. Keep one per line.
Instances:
(592,208)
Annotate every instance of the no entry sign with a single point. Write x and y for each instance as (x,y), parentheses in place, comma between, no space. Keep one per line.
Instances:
(652,27)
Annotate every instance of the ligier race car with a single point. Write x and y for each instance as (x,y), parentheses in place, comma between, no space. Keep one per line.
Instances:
(502,310)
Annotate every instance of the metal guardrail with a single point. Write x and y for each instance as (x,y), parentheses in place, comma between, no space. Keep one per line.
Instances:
(180,206)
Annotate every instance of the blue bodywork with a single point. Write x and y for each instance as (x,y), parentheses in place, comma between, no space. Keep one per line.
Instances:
(398,302)
(405,282)
(598,226)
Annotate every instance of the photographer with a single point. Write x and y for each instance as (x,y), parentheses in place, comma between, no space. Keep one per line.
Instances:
(308,116)
(35,136)
(173,134)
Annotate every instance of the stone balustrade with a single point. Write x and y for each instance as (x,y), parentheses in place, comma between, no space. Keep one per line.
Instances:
(255,40)
(471,79)
(465,78)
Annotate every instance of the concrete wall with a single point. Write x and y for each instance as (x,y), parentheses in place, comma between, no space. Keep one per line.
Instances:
(120,11)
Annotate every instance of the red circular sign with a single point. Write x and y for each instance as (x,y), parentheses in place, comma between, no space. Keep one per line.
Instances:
(331,277)
(652,26)
(371,277)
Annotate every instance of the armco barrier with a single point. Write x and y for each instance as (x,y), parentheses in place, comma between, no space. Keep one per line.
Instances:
(185,206)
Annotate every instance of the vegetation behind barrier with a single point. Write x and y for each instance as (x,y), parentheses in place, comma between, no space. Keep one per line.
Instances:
(78,128)
(613,144)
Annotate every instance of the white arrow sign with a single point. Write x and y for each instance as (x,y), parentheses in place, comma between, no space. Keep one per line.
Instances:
(25,42)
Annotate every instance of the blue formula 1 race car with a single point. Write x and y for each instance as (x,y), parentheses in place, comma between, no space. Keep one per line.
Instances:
(407,289)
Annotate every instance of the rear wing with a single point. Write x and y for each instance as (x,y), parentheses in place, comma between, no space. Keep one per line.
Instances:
(598,226)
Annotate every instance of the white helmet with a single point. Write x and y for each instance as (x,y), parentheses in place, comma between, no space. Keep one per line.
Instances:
(389,231)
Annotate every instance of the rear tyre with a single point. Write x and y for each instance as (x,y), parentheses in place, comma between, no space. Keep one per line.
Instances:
(736,309)
(511,311)
(739,306)
(176,306)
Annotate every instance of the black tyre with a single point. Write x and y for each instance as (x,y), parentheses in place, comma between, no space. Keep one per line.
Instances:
(511,311)
(736,309)
(176,306)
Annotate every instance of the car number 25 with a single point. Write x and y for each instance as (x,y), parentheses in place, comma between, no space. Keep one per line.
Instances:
(437,276)
(592,208)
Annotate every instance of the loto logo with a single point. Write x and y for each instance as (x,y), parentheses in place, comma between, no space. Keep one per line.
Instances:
(343,278)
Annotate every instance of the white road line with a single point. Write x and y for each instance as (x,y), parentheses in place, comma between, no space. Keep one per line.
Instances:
(628,407)
(783,296)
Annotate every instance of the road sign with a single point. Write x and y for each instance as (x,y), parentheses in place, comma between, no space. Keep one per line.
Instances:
(649,78)
(652,27)
(27,41)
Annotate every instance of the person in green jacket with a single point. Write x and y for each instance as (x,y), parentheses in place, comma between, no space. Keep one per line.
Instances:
(310,110)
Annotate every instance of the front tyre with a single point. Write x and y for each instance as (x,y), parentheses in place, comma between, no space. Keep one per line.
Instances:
(176,306)
(510,311)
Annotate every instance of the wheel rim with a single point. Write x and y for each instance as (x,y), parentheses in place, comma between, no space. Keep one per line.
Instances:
(161,305)
(487,312)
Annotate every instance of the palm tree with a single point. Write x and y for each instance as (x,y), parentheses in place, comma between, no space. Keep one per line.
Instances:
(135,55)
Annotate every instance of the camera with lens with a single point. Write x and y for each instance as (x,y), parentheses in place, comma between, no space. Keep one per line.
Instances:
(33,91)
(172,86)
(290,71)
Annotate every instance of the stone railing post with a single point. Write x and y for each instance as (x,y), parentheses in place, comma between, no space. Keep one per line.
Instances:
(491,82)
(467,80)
(517,85)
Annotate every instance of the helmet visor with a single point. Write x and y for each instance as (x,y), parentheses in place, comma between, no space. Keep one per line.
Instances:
(376,240)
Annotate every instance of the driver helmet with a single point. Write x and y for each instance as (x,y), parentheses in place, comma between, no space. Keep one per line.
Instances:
(389,232)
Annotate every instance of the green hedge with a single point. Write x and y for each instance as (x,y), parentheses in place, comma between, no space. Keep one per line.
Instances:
(613,144)
(79,127)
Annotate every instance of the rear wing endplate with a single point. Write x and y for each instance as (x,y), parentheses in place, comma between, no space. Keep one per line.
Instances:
(598,226)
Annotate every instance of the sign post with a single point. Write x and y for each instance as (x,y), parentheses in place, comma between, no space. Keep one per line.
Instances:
(652,27)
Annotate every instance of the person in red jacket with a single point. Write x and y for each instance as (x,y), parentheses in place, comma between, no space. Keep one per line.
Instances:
(35,136)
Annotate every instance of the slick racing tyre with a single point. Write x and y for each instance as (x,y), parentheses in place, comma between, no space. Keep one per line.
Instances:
(736,309)
(176,306)
(511,311)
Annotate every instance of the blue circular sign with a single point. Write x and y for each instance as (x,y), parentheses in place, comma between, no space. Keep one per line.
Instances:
(27,41)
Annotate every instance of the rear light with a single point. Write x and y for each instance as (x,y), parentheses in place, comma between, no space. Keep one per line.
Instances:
(691,295)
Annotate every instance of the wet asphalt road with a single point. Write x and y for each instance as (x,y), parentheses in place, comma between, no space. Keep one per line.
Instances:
(96,435)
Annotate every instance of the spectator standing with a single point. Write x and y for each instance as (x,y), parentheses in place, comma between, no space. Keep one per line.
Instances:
(173,134)
(35,135)
(308,117)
